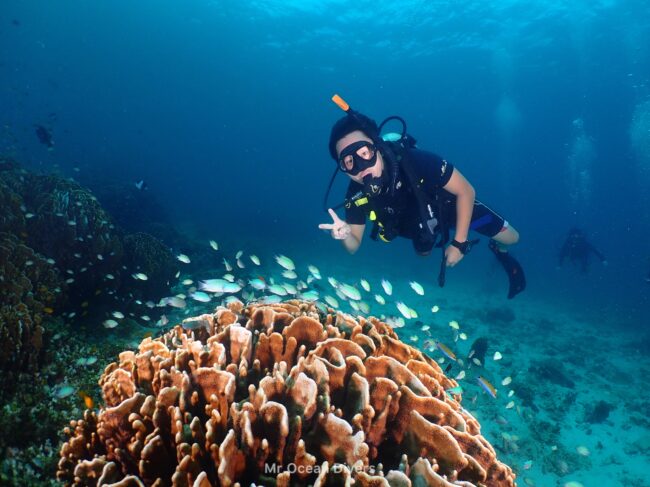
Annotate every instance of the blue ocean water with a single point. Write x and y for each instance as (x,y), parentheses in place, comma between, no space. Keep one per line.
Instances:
(223,108)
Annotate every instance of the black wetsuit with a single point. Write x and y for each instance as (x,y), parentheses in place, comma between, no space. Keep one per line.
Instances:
(578,250)
(400,213)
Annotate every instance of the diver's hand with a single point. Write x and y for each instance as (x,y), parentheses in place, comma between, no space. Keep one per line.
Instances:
(340,229)
(453,255)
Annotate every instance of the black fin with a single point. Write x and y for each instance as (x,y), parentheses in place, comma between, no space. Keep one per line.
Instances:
(513,269)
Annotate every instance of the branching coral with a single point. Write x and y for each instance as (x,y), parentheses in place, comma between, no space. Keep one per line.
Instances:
(278,395)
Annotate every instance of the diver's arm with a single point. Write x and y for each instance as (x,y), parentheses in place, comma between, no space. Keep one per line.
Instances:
(353,240)
(465,195)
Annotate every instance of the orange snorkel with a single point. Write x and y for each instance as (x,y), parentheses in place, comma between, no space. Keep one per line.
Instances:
(341,103)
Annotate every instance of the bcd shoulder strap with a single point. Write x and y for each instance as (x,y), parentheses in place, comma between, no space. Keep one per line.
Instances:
(432,217)
(426,205)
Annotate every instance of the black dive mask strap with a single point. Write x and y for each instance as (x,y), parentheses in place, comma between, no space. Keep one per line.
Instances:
(391,165)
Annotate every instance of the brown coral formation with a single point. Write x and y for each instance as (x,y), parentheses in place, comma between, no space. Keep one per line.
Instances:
(70,226)
(57,249)
(278,395)
(63,221)
(149,255)
(29,288)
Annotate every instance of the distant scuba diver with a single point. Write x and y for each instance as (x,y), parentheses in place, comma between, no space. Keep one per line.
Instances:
(407,192)
(578,250)
(44,136)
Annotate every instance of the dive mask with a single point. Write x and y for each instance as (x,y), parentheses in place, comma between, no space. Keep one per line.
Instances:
(357,157)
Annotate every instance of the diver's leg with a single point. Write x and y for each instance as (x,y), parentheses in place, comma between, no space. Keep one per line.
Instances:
(489,223)
(506,237)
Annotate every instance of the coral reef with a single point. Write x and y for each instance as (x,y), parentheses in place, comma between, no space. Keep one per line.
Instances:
(30,288)
(12,218)
(60,252)
(150,256)
(7,163)
(278,395)
(64,222)
(31,417)
(70,226)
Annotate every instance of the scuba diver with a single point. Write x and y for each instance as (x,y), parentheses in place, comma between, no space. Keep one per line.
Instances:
(578,250)
(411,193)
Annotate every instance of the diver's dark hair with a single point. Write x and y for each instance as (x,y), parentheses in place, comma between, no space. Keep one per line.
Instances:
(349,124)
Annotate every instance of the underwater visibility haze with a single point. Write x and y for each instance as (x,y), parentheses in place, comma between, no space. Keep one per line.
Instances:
(171,312)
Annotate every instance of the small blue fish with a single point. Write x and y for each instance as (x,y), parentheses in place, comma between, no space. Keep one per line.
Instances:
(257,284)
(200,296)
(63,391)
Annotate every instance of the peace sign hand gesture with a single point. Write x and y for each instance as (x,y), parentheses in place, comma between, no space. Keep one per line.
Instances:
(340,229)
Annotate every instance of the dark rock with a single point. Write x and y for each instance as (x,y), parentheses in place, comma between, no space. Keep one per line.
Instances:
(499,315)
(551,372)
(479,347)
(599,412)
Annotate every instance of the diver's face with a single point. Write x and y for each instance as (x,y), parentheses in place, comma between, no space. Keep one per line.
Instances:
(358,136)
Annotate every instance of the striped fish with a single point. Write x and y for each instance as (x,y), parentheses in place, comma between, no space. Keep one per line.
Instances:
(489,388)
(446,350)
